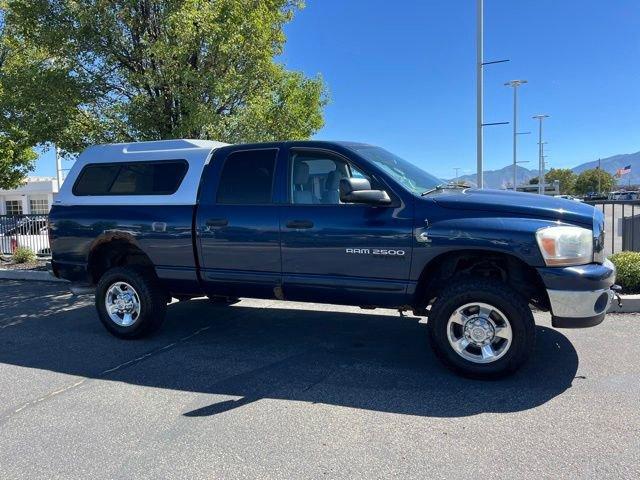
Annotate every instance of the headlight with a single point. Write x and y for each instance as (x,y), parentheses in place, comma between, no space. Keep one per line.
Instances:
(564,245)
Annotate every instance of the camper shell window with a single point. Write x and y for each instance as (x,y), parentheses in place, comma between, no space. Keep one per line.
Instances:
(137,178)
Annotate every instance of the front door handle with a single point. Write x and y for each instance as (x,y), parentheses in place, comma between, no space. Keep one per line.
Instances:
(217,222)
(300,224)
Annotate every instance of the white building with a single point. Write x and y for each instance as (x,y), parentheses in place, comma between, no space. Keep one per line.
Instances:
(35,196)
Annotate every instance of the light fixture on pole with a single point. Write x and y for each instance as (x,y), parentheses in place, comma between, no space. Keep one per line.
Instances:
(515,84)
(540,119)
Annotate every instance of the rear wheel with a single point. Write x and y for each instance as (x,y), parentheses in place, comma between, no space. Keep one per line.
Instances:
(481,328)
(130,302)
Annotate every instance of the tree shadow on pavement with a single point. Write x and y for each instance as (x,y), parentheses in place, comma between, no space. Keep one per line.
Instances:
(360,360)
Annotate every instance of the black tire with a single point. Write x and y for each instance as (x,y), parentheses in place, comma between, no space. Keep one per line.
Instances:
(516,309)
(152,301)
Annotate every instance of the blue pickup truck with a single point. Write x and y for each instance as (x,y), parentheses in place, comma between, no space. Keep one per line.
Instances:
(328,222)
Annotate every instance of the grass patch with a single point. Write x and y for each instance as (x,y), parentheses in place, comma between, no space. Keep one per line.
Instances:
(23,255)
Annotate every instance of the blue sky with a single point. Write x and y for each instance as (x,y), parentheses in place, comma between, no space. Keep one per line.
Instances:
(403,77)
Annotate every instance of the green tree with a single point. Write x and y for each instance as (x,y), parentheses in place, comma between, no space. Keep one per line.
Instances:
(587,181)
(16,156)
(129,70)
(564,176)
(16,161)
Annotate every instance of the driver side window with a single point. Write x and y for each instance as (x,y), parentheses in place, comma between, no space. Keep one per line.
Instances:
(314,177)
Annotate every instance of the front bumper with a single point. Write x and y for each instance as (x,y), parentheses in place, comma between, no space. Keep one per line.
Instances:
(584,296)
(575,309)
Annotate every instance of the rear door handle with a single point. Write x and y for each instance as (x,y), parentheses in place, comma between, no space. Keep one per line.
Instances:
(217,222)
(300,224)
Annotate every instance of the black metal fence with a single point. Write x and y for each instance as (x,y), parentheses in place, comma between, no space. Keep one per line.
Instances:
(622,223)
(24,231)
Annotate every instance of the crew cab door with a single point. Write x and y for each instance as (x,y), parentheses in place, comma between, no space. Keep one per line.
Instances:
(237,224)
(336,252)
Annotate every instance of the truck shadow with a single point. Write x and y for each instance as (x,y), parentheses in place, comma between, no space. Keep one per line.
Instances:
(360,360)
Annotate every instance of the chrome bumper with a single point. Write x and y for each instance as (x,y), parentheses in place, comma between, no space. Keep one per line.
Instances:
(571,304)
(577,309)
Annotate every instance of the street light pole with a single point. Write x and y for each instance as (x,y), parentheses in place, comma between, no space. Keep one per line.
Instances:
(480,63)
(540,118)
(479,92)
(515,84)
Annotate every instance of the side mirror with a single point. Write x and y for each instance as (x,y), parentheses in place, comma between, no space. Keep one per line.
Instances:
(358,190)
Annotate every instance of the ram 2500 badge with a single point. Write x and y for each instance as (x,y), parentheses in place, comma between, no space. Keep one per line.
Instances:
(326,222)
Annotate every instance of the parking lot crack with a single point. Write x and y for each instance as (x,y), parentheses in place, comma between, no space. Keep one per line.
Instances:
(100,376)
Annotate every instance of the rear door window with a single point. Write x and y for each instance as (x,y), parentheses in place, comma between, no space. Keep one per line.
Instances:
(140,178)
(247,178)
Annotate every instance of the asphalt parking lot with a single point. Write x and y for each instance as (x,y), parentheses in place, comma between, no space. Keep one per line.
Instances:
(266,389)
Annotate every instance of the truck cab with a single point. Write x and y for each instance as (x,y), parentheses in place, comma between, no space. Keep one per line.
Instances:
(326,222)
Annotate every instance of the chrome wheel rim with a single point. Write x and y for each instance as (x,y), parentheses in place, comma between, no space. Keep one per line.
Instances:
(479,332)
(123,304)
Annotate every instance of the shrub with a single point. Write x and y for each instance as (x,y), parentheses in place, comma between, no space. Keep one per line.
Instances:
(23,255)
(628,266)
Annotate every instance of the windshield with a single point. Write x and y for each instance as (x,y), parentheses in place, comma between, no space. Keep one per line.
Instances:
(408,175)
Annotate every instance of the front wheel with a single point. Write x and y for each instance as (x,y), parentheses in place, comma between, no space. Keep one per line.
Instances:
(130,302)
(481,328)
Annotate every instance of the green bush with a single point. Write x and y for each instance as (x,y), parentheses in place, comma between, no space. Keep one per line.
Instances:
(628,266)
(23,255)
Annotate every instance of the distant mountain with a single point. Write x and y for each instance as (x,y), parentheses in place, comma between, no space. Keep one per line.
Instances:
(611,164)
(503,177)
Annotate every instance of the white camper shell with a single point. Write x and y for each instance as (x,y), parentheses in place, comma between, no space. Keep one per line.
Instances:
(196,153)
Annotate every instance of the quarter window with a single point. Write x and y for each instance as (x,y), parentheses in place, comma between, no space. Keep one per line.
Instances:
(247,178)
(140,178)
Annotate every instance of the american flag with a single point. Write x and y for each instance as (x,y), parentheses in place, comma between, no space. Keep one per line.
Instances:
(623,171)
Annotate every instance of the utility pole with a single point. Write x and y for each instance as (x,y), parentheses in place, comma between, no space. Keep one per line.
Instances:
(598,176)
(540,118)
(480,63)
(515,84)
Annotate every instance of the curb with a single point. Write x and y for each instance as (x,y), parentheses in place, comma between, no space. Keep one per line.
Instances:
(630,304)
(37,276)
